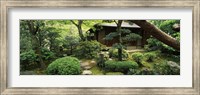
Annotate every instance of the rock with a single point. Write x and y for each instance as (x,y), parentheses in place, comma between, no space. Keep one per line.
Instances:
(83,64)
(173,64)
(87,72)
(93,62)
(87,67)
(110,59)
(27,73)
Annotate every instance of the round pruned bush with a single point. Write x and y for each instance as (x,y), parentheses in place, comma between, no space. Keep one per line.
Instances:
(88,49)
(138,57)
(113,53)
(64,66)
(120,66)
(150,56)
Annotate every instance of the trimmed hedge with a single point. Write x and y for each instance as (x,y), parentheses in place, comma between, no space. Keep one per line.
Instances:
(150,56)
(138,57)
(64,66)
(120,66)
(88,49)
(113,53)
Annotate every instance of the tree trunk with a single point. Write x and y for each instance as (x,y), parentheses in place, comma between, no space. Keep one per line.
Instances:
(42,64)
(157,33)
(120,40)
(35,42)
(80,31)
(71,49)
(37,49)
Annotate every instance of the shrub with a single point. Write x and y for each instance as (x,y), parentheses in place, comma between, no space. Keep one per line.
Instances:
(138,57)
(120,66)
(103,56)
(47,54)
(150,56)
(26,59)
(88,49)
(143,71)
(64,66)
(167,68)
(113,53)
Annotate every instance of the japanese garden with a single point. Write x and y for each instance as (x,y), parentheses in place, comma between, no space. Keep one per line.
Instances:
(99,47)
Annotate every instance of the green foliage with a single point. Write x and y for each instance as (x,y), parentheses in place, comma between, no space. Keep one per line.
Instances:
(150,56)
(154,44)
(138,57)
(113,53)
(64,66)
(26,59)
(111,35)
(96,71)
(101,62)
(120,66)
(156,22)
(88,49)
(118,46)
(167,27)
(127,37)
(25,37)
(71,42)
(47,54)
(167,68)
(131,37)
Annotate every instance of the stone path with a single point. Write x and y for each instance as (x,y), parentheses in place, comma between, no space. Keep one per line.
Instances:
(87,65)
(87,72)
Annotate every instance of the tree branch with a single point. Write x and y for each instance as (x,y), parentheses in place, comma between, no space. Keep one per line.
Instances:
(157,33)
(115,22)
(74,23)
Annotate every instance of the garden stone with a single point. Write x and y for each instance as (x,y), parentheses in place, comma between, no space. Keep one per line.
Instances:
(173,64)
(93,62)
(83,64)
(110,59)
(87,67)
(27,73)
(87,72)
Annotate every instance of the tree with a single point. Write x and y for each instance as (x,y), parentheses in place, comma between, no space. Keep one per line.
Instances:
(119,31)
(119,24)
(157,33)
(83,26)
(71,42)
(34,27)
(53,41)
(80,30)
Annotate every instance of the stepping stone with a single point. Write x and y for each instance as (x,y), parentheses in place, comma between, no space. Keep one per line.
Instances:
(27,73)
(87,67)
(93,62)
(173,64)
(85,64)
(87,72)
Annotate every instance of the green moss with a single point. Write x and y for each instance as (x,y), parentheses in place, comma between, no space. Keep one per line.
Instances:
(114,73)
(96,71)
